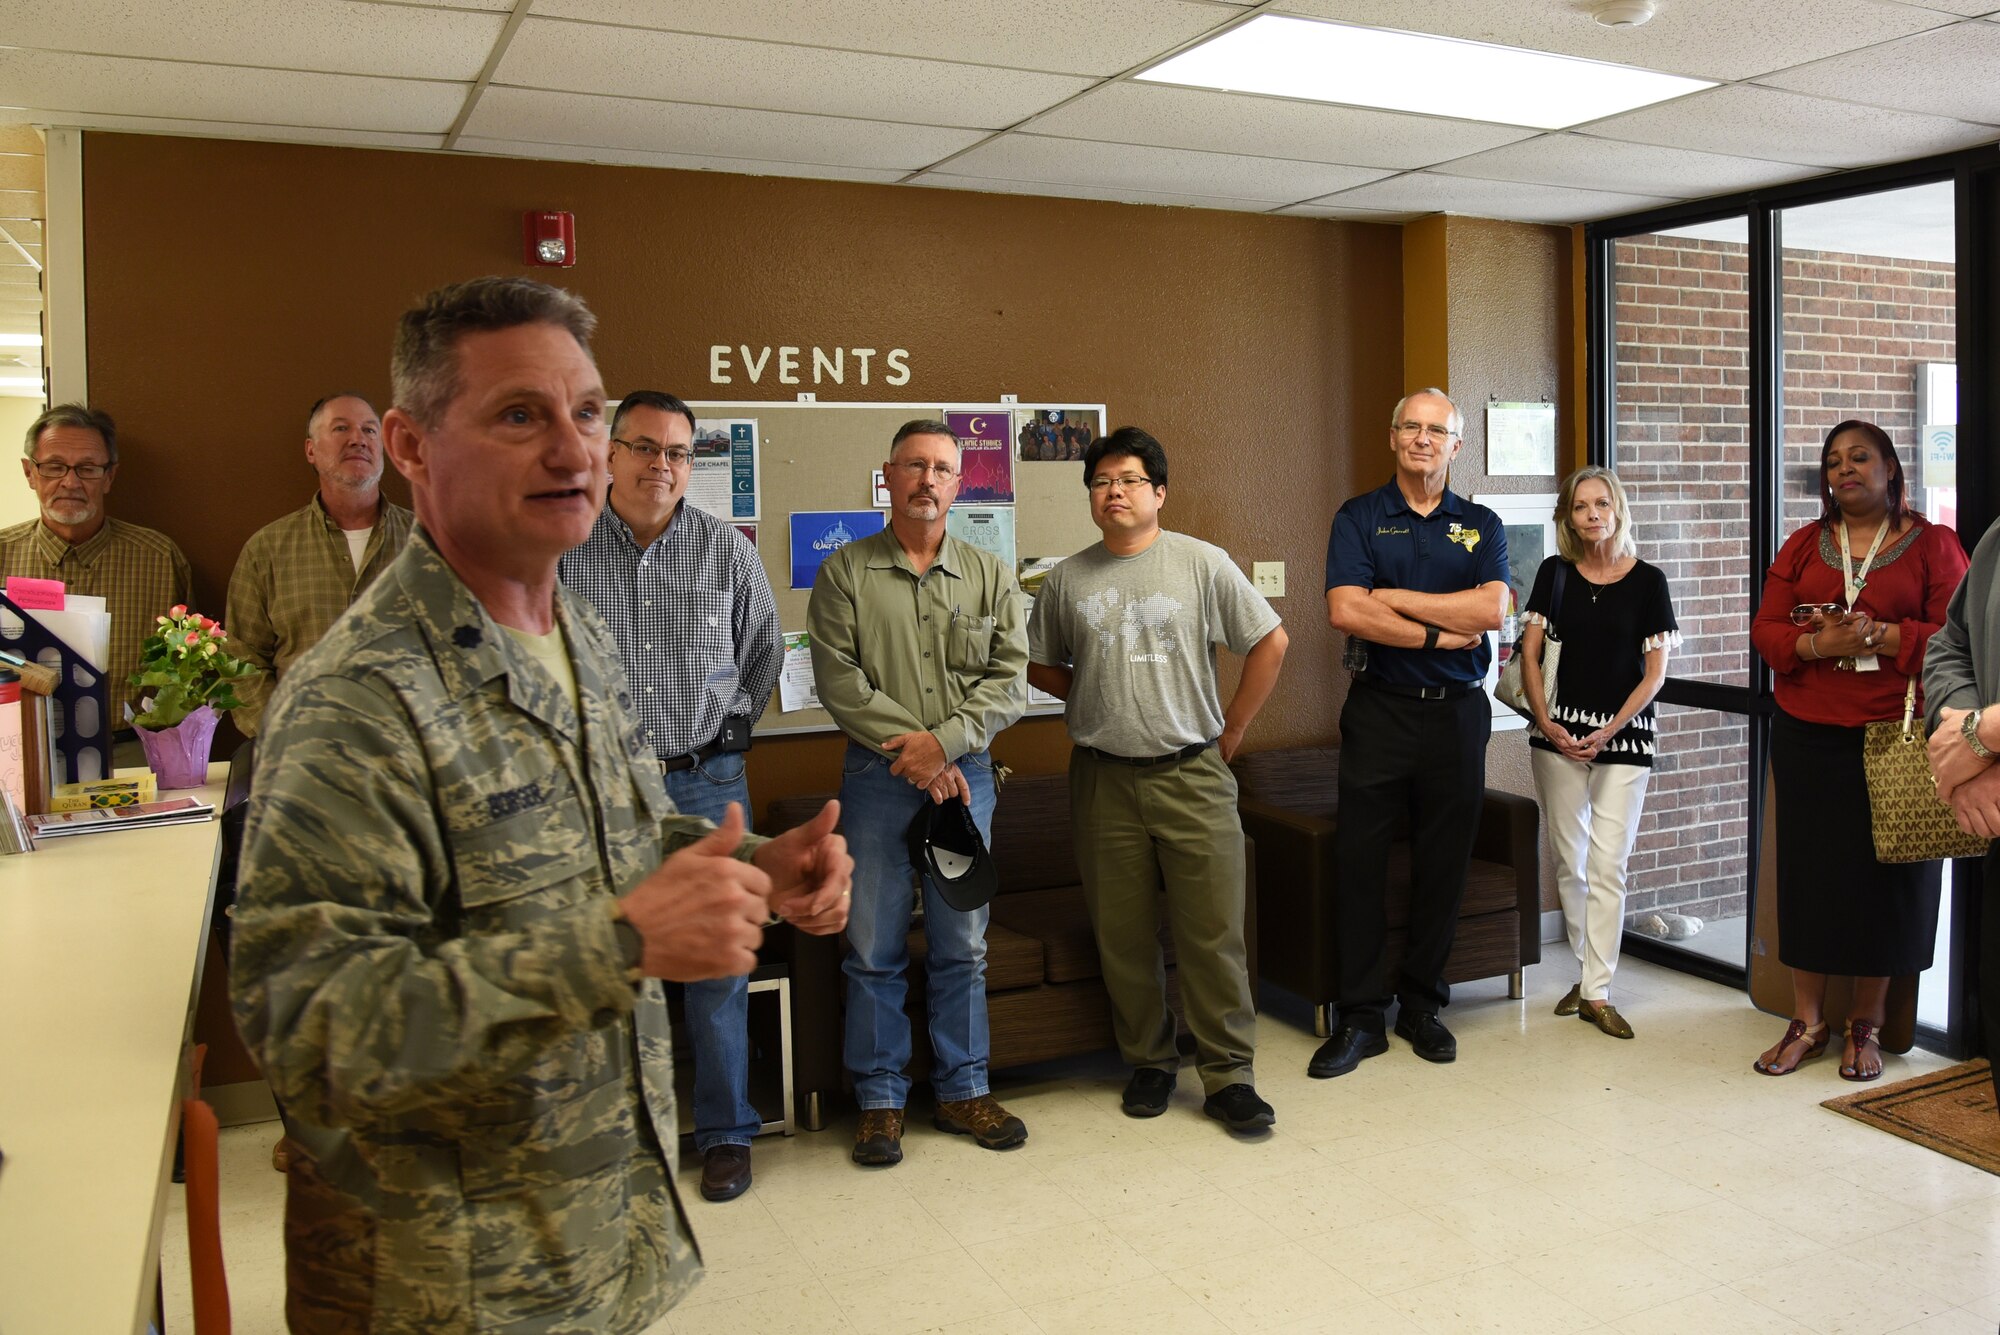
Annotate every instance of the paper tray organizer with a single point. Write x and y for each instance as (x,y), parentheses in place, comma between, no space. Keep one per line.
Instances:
(82,694)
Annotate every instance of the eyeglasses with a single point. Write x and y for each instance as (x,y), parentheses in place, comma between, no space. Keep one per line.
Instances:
(1803,614)
(53,469)
(651,453)
(1101,485)
(1412,430)
(916,469)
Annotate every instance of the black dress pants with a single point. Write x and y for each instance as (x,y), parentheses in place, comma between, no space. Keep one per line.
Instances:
(1401,759)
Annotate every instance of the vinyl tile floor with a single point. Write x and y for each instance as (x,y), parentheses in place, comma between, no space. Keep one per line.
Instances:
(1551,1180)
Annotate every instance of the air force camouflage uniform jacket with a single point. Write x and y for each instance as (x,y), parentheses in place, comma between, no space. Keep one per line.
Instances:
(425,967)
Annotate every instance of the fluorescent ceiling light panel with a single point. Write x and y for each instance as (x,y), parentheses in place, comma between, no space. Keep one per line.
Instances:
(1316,61)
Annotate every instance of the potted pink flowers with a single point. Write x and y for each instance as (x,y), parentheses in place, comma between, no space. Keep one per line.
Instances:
(189,675)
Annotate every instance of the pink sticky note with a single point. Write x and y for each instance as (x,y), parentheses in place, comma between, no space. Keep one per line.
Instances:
(35,595)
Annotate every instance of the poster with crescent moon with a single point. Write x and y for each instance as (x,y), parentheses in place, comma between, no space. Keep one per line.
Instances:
(988,469)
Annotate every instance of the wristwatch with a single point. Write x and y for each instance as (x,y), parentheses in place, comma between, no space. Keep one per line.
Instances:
(1430,636)
(631,945)
(1970,731)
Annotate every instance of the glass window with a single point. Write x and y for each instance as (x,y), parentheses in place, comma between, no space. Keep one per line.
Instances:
(1688,884)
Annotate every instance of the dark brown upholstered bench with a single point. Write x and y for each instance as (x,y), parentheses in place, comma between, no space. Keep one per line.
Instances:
(1289,801)
(1044,994)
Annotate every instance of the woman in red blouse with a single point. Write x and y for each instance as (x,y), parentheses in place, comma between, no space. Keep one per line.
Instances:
(1848,605)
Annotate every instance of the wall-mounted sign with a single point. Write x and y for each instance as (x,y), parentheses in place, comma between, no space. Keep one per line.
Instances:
(791,365)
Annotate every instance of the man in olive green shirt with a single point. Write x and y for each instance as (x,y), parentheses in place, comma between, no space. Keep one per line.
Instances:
(919,653)
(453,912)
(297,575)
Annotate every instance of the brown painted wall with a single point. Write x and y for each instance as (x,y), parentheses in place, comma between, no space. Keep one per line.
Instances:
(230,284)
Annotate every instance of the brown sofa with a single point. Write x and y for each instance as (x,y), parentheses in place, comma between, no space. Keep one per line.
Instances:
(1044,994)
(1289,801)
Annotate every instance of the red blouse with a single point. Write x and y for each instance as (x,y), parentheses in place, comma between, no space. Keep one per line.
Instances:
(1910,584)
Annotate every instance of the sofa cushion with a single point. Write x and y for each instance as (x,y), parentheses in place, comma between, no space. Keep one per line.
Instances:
(1012,959)
(1489,887)
(1305,779)
(1031,840)
(1058,919)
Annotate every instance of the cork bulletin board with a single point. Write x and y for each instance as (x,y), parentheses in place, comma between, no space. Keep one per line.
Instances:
(822,456)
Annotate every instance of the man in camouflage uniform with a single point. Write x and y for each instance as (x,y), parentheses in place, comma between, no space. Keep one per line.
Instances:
(453,909)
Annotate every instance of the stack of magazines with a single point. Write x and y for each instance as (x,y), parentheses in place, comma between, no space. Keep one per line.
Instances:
(144,815)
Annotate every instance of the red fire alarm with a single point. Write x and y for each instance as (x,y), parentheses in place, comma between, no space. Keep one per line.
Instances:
(549,239)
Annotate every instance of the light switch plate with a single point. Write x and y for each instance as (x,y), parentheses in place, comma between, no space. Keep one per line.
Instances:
(1269,578)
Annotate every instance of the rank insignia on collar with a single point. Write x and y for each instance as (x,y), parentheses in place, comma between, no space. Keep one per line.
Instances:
(1467,538)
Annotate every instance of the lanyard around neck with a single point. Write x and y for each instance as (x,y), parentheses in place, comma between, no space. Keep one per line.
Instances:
(1856,581)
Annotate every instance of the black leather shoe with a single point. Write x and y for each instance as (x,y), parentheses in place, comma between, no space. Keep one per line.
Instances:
(725,1172)
(1238,1108)
(1344,1051)
(1147,1092)
(1427,1034)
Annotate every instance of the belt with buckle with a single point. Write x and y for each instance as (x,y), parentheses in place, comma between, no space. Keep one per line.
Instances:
(1188,752)
(675,764)
(1451,692)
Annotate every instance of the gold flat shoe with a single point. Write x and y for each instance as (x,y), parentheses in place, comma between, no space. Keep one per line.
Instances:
(1605,1016)
(1570,1001)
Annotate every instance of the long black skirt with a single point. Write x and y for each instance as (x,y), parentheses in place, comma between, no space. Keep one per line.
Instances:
(1839,910)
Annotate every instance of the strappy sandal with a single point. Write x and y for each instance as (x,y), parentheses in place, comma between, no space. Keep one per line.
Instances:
(1863,1033)
(1794,1033)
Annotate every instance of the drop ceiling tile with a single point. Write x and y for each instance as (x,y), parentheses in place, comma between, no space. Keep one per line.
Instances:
(774,76)
(1108,194)
(1175,171)
(20,204)
(1969,8)
(1426,192)
(1716,39)
(528,116)
(501,5)
(286,134)
(1170,117)
(20,139)
(1102,37)
(338,36)
(1349,214)
(626,157)
(85,88)
(1607,164)
(1951,71)
(1748,121)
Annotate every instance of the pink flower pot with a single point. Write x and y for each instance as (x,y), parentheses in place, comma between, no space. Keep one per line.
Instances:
(178,756)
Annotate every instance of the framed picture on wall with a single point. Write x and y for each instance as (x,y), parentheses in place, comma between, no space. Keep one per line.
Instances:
(1529,520)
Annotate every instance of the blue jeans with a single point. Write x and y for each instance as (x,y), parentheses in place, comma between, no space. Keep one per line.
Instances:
(876,808)
(718,1010)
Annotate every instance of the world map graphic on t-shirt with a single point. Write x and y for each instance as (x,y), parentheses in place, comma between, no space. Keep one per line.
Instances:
(1115,618)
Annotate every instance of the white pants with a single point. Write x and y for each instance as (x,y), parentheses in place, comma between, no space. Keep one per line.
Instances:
(1593,814)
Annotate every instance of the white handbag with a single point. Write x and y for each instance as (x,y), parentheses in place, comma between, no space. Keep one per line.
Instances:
(1512,688)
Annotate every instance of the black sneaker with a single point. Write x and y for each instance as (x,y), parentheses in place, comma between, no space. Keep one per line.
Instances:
(1238,1108)
(1345,1050)
(1427,1034)
(1147,1092)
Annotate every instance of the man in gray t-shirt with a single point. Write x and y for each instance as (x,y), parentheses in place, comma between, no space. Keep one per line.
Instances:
(1126,633)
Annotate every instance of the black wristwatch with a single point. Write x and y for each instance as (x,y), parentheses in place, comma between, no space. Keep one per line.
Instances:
(1430,636)
(631,945)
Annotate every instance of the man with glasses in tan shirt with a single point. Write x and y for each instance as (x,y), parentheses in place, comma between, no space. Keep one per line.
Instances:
(72,460)
(919,652)
(296,576)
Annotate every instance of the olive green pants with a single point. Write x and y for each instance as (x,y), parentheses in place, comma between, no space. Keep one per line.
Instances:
(1172,828)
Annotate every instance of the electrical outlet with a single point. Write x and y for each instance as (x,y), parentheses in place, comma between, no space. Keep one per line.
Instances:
(1269,578)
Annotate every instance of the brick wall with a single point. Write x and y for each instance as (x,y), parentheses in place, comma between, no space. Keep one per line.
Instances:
(1855,328)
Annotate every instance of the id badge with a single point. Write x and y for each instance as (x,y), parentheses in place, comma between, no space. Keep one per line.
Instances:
(1867,663)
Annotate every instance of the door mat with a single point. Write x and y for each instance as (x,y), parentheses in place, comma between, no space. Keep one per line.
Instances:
(1950,1111)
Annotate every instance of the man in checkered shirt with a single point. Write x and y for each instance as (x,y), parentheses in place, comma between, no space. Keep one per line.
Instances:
(686,597)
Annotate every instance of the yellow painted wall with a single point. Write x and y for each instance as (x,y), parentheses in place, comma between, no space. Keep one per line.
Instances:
(17,499)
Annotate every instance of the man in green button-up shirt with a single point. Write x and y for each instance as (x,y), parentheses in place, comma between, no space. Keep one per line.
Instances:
(919,653)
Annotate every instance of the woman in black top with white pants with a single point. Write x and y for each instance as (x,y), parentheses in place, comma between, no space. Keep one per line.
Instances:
(1592,749)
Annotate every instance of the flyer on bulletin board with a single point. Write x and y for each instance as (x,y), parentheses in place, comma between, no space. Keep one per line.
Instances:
(796,687)
(722,477)
(987,527)
(817,534)
(986,465)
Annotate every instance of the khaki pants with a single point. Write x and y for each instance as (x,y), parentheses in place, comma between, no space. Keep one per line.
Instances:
(1173,827)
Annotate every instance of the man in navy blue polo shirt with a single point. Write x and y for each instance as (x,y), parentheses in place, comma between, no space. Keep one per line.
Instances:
(1415,577)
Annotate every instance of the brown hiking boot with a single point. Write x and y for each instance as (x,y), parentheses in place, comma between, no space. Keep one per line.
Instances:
(878,1141)
(984,1120)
